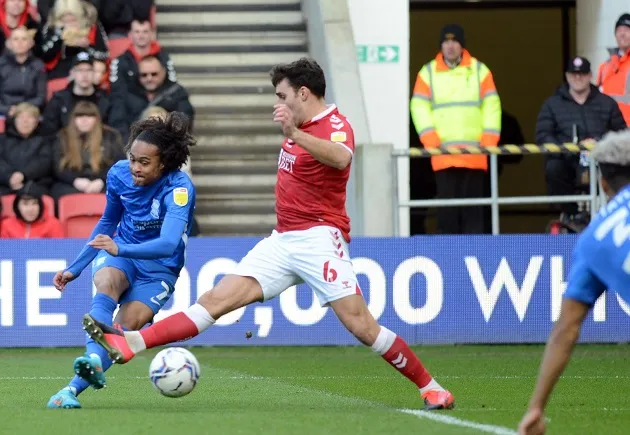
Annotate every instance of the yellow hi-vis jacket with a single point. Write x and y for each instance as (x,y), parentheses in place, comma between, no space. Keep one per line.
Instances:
(456,106)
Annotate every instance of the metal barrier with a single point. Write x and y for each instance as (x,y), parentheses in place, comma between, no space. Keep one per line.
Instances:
(494,201)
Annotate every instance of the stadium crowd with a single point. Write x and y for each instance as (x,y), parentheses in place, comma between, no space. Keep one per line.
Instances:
(74,75)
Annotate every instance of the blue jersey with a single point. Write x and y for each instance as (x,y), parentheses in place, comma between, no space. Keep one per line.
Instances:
(150,224)
(145,207)
(601,258)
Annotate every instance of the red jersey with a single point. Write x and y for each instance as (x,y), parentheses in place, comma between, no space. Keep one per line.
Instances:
(47,227)
(308,192)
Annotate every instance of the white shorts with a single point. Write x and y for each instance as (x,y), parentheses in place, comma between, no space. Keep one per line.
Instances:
(317,256)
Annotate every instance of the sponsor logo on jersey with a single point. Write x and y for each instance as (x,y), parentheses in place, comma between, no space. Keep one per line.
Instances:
(180,196)
(155,209)
(286,161)
(338,136)
(147,225)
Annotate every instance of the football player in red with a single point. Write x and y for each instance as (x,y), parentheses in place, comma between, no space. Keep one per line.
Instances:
(309,244)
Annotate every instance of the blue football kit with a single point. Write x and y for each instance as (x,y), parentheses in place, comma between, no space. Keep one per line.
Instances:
(146,222)
(151,225)
(601,258)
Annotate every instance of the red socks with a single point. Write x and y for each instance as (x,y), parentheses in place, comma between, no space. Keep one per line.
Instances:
(397,353)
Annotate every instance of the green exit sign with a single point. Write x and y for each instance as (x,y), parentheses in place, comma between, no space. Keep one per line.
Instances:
(378,53)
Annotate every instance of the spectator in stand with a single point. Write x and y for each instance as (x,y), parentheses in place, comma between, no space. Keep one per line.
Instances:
(14,14)
(22,76)
(117,15)
(25,155)
(124,72)
(44,7)
(80,88)
(578,111)
(84,152)
(30,221)
(156,90)
(613,77)
(455,103)
(101,76)
(72,28)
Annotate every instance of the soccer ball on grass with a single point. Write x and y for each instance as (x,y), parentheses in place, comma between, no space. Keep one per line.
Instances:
(174,372)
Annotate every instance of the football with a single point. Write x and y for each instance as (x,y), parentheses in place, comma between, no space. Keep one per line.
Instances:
(174,372)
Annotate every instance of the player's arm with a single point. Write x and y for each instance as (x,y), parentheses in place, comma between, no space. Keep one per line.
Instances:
(558,350)
(582,291)
(173,229)
(334,154)
(106,225)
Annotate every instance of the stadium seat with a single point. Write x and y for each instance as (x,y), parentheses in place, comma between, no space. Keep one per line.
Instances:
(80,212)
(2,124)
(118,46)
(55,85)
(7,205)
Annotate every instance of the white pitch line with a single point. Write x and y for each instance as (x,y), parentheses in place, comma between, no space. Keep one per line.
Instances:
(454,421)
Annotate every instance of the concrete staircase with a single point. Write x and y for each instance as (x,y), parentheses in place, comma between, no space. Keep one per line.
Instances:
(223,51)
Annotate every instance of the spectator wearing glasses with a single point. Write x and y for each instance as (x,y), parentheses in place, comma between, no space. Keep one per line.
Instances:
(157,89)
(80,88)
(85,150)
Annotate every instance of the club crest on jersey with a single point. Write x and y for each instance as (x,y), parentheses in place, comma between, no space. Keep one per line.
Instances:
(180,196)
(286,161)
(155,209)
(338,136)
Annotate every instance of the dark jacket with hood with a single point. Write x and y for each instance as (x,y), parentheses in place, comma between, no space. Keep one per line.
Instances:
(112,151)
(562,119)
(31,156)
(59,108)
(21,83)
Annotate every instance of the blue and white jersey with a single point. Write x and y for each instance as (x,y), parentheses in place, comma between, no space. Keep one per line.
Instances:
(601,258)
(145,207)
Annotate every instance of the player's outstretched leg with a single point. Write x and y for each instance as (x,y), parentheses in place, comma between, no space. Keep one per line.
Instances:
(231,293)
(90,367)
(354,314)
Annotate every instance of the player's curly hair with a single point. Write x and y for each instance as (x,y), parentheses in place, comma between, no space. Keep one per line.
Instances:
(171,135)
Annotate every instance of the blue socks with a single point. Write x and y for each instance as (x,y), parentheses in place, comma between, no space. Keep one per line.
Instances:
(102,309)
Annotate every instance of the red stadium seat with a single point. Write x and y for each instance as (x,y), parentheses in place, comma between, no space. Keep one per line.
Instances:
(80,212)
(7,205)
(118,46)
(2,124)
(55,85)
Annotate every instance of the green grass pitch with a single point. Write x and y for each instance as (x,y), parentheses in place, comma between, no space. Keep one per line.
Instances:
(319,390)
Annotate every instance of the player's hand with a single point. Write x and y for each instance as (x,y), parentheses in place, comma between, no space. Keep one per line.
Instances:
(61,279)
(284,115)
(105,243)
(533,423)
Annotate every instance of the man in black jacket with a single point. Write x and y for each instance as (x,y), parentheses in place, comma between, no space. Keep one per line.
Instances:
(578,111)
(157,89)
(80,88)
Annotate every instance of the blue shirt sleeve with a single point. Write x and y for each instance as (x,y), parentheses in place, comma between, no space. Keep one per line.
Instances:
(164,246)
(583,285)
(106,225)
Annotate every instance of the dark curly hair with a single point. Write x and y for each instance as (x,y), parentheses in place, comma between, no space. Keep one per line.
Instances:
(172,136)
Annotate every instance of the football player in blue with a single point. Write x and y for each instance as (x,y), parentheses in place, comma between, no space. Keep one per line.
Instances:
(601,261)
(138,247)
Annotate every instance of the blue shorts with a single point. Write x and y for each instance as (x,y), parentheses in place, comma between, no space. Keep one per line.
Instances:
(150,285)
